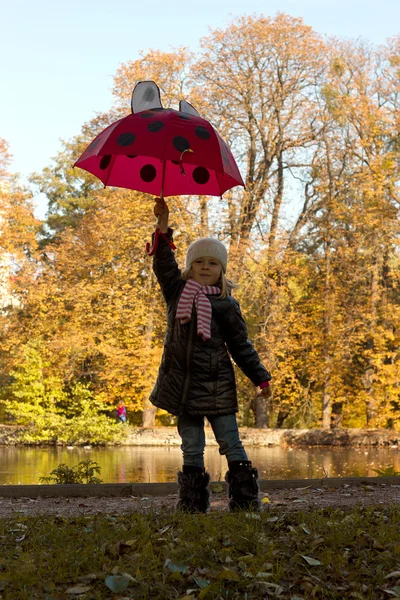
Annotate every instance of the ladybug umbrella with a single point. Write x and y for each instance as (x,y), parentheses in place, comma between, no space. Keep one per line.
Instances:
(161,151)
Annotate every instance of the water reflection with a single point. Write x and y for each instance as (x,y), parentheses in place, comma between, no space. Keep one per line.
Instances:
(159,464)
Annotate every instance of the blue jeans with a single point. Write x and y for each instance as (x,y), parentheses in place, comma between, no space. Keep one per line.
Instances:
(225,428)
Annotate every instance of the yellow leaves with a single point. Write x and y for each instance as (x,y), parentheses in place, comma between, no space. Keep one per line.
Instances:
(305,288)
(217,488)
(228,574)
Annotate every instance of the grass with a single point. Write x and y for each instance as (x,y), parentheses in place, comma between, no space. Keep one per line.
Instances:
(320,554)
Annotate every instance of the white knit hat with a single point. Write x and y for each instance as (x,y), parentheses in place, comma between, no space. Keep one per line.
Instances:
(207,247)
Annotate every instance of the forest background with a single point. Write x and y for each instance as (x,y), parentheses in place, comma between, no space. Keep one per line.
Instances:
(314,125)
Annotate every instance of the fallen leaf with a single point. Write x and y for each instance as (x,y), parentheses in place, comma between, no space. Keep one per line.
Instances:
(305,528)
(204,592)
(228,559)
(163,530)
(49,586)
(247,558)
(202,583)
(217,488)
(392,574)
(311,561)
(228,574)
(117,583)
(78,589)
(90,577)
(20,539)
(173,567)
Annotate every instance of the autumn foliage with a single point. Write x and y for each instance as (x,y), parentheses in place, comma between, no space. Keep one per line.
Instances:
(313,239)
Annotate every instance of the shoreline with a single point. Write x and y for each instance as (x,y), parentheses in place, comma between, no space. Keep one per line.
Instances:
(251,437)
(120,490)
(283,495)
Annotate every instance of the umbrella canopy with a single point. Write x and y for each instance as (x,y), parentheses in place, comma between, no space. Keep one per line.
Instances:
(161,151)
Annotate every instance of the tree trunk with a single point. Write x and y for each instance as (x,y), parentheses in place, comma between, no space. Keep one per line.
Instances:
(276,212)
(204,216)
(368,376)
(326,395)
(326,406)
(149,415)
(262,407)
(149,411)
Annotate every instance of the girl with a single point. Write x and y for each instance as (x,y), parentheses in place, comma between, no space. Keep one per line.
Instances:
(196,377)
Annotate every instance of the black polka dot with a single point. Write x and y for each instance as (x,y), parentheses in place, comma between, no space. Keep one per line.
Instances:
(175,162)
(184,117)
(131,155)
(155,126)
(105,162)
(146,115)
(148,173)
(126,139)
(202,132)
(181,143)
(201,175)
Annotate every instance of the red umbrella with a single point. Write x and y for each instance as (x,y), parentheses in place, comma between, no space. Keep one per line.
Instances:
(161,151)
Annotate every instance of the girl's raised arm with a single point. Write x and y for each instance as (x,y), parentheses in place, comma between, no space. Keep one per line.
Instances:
(164,264)
(161,211)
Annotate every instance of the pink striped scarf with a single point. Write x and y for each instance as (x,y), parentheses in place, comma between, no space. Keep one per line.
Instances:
(196,292)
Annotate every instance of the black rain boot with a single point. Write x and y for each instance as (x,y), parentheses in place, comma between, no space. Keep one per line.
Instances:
(193,495)
(243,486)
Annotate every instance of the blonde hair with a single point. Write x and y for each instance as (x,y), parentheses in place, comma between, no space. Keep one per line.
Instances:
(226,285)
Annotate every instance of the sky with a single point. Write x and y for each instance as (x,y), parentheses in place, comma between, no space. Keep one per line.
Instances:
(59,58)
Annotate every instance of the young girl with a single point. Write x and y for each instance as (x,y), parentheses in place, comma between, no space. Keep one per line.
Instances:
(196,377)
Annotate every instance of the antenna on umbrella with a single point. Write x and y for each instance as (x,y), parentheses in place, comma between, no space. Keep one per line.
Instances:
(187,108)
(145,96)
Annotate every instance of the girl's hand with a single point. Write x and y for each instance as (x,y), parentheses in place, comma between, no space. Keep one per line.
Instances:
(161,211)
(266,392)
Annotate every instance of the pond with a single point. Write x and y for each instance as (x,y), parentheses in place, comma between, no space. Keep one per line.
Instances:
(149,464)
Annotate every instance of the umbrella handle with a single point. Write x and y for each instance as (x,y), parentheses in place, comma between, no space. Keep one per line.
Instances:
(151,248)
(182,168)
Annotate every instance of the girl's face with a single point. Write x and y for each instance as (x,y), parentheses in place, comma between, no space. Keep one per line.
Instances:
(206,270)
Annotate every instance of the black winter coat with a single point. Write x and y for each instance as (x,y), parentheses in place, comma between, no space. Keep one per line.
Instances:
(197,377)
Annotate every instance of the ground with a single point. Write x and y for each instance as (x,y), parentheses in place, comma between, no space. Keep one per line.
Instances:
(348,496)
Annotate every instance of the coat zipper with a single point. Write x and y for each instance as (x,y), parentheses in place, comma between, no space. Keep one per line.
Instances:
(189,351)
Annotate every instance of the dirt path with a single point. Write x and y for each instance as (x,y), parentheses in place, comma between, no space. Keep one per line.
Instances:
(347,496)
